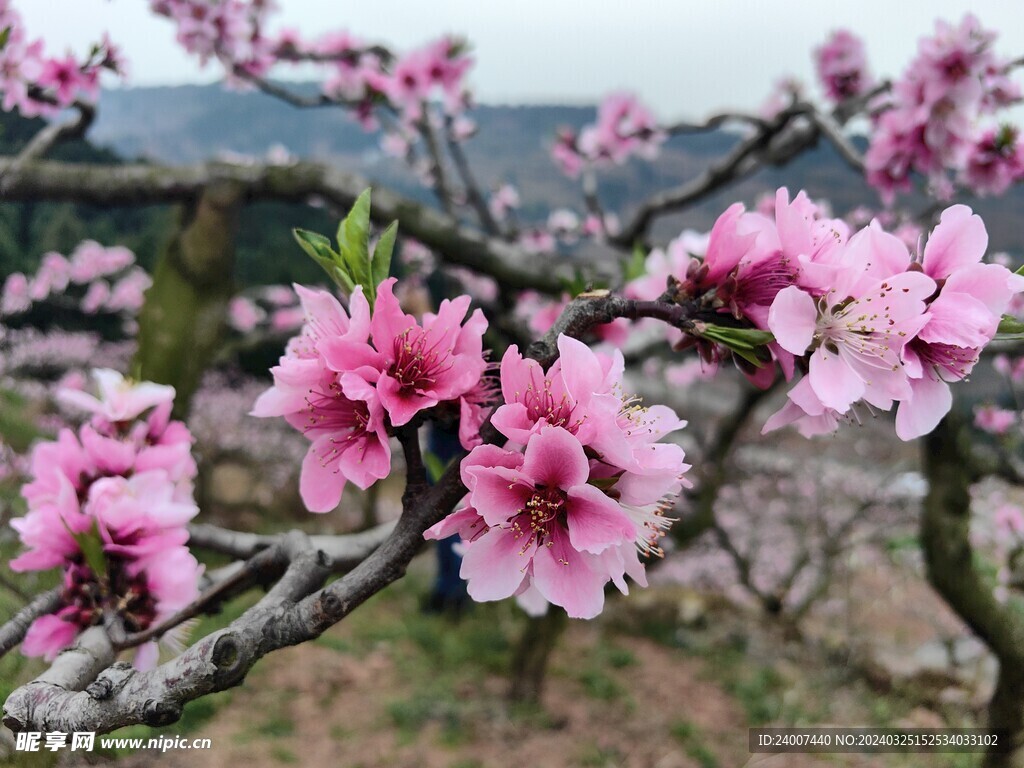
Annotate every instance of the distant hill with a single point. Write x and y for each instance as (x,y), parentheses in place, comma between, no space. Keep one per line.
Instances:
(191,123)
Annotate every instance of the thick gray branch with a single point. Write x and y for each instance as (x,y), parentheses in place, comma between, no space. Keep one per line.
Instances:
(342,551)
(82,691)
(140,184)
(296,609)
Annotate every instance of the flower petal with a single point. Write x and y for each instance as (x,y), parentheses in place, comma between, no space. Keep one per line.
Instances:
(320,483)
(792,319)
(929,402)
(595,522)
(555,458)
(565,577)
(494,565)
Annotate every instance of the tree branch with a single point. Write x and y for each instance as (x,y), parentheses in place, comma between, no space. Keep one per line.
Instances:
(82,689)
(717,175)
(469,183)
(284,94)
(342,551)
(775,141)
(53,134)
(715,465)
(834,133)
(13,631)
(415,470)
(945,524)
(684,127)
(439,176)
(511,266)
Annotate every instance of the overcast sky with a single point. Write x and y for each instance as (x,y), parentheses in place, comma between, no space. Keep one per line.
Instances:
(685,58)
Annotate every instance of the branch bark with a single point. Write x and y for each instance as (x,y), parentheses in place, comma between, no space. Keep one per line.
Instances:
(715,464)
(53,134)
(139,184)
(342,551)
(773,142)
(84,689)
(953,572)
(13,632)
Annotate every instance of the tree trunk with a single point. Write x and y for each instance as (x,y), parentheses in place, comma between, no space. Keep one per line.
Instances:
(952,571)
(530,662)
(181,325)
(1006,713)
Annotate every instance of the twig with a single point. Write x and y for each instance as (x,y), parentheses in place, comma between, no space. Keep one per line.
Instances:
(342,551)
(415,470)
(13,631)
(684,127)
(831,131)
(439,177)
(14,589)
(469,183)
(53,134)
(715,176)
(286,95)
(260,566)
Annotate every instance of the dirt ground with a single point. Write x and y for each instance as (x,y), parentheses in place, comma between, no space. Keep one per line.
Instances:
(390,690)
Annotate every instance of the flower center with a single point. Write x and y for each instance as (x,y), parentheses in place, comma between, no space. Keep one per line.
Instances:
(863,330)
(330,409)
(419,363)
(956,360)
(534,521)
(127,596)
(543,404)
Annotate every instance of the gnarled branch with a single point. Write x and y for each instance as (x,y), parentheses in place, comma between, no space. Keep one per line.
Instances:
(84,689)
(138,184)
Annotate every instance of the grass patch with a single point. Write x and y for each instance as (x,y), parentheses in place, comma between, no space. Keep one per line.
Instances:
(334,643)
(599,685)
(620,658)
(689,736)
(42,759)
(760,694)
(16,429)
(282,755)
(595,756)
(278,726)
(340,733)
(411,715)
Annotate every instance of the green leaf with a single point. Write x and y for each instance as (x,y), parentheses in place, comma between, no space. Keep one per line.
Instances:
(354,243)
(4,37)
(604,483)
(1010,329)
(351,264)
(435,467)
(316,245)
(581,283)
(636,266)
(1020,270)
(91,546)
(749,356)
(380,266)
(319,249)
(745,342)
